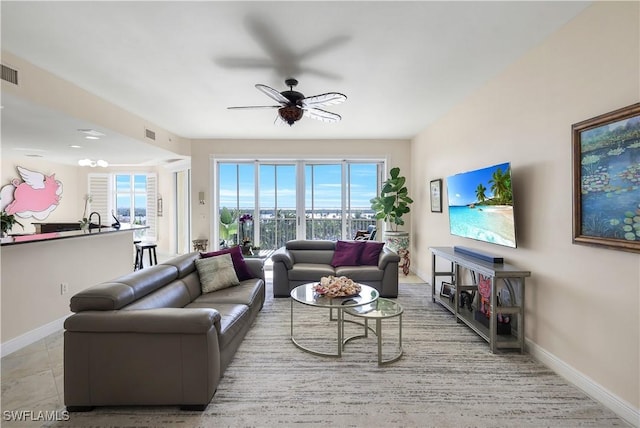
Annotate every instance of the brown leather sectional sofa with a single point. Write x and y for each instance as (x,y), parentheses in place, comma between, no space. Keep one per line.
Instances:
(152,338)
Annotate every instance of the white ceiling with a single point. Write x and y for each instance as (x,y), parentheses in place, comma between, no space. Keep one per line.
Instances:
(180,64)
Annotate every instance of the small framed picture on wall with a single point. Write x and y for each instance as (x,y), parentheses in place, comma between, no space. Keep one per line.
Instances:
(436,195)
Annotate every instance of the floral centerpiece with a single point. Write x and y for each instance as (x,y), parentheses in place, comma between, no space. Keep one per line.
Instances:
(331,286)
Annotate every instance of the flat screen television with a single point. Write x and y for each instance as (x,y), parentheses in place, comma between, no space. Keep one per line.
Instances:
(481,205)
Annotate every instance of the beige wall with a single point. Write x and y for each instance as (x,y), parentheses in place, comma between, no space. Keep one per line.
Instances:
(32,274)
(583,303)
(395,152)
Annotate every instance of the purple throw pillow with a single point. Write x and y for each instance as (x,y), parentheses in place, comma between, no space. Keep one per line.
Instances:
(371,253)
(239,265)
(347,253)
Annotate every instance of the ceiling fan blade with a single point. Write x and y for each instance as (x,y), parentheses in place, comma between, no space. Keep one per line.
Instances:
(330,98)
(239,62)
(324,46)
(273,94)
(322,115)
(250,107)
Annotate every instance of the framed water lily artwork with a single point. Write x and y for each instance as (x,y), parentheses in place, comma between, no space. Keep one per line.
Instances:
(606,180)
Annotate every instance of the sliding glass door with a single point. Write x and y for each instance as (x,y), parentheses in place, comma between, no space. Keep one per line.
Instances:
(324,201)
(270,203)
(278,213)
(363,180)
(236,200)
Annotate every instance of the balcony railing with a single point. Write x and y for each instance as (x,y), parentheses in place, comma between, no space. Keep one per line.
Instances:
(276,230)
(274,233)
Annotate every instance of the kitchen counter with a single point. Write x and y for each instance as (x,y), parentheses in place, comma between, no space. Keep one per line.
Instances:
(40,272)
(40,237)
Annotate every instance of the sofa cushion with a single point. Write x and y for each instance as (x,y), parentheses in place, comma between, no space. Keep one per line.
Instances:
(347,253)
(184,263)
(123,290)
(310,272)
(192,283)
(371,253)
(360,273)
(246,293)
(173,295)
(233,318)
(311,251)
(242,270)
(216,273)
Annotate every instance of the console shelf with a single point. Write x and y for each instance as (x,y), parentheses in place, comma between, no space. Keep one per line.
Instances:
(503,276)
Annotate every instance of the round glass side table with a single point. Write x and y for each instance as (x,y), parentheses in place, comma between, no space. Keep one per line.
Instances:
(379,310)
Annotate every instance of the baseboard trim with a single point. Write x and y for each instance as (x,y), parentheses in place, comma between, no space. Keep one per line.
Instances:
(596,391)
(30,337)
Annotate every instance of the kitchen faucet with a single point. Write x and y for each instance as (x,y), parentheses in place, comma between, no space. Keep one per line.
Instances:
(99,219)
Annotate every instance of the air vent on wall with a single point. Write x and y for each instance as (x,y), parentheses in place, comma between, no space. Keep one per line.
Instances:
(150,134)
(9,74)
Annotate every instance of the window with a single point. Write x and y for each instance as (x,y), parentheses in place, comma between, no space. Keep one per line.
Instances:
(131,198)
(294,200)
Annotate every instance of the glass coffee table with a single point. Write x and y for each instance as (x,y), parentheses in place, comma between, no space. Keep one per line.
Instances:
(378,310)
(305,295)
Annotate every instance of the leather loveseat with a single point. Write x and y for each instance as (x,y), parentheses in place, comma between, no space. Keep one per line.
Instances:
(152,337)
(303,261)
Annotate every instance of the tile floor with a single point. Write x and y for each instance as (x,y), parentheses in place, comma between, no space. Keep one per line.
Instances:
(32,381)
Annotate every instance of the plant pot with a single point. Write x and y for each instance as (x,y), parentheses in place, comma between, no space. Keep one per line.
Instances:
(396,241)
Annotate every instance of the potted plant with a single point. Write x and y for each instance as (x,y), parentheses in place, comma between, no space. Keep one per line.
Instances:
(8,220)
(390,206)
(228,226)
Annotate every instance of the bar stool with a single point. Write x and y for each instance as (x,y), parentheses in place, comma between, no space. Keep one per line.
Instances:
(137,262)
(140,252)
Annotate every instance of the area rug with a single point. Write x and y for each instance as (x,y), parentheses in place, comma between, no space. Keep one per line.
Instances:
(446,378)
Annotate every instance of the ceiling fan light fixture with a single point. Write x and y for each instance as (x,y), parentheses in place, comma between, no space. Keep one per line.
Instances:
(294,105)
(290,114)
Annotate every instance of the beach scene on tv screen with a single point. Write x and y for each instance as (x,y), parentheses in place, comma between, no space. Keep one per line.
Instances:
(481,205)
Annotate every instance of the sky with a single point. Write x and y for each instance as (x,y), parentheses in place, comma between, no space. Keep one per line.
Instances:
(323,185)
(123,190)
(461,188)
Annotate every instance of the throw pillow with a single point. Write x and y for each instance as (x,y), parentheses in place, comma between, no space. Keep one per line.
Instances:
(347,253)
(371,253)
(216,273)
(242,270)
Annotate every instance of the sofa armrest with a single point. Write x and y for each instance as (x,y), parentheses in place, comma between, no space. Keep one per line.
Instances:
(387,256)
(150,321)
(163,356)
(282,255)
(256,267)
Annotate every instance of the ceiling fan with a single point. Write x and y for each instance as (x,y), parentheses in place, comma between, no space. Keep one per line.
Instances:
(293,105)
